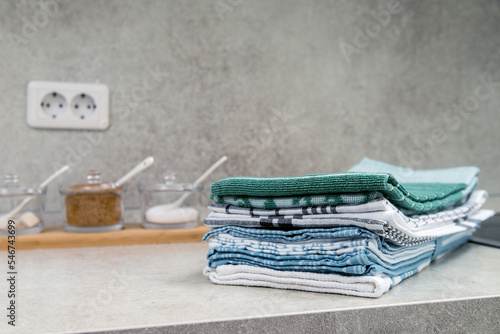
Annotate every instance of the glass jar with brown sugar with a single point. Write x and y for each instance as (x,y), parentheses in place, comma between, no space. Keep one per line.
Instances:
(94,206)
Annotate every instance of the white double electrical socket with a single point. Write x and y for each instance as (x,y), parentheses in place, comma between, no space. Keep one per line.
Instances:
(64,105)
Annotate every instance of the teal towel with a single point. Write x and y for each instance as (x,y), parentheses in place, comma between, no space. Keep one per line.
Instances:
(297,201)
(415,190)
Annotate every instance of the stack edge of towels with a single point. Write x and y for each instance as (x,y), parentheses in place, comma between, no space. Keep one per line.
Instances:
(357,233)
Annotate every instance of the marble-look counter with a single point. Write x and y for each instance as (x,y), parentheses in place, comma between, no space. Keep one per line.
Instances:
(160,288)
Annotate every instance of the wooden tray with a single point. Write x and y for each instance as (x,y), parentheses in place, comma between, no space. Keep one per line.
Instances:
(132,234)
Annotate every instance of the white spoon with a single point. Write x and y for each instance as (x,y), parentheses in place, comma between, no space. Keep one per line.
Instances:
(136,170)
(4,219)
(157,210)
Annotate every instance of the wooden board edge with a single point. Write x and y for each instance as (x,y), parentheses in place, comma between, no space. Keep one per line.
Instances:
(132,234)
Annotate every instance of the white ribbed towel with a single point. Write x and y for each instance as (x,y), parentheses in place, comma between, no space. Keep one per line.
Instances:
(361,286)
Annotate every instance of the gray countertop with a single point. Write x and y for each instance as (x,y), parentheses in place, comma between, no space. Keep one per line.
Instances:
(148,286)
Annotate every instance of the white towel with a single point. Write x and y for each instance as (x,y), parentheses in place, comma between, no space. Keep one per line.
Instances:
(362,286)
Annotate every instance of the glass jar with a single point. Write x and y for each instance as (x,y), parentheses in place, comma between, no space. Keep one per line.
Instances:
(29,219)
(169,205)
(94,206)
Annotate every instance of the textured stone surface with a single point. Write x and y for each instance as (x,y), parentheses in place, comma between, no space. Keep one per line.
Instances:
(148,286)
(265,82)
(479,316)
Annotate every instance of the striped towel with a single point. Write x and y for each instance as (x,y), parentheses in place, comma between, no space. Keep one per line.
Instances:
(380,217)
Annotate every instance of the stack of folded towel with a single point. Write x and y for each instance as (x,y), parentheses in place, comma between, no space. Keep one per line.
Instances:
(356,233)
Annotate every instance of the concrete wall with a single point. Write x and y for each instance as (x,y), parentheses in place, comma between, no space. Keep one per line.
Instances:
(281,87)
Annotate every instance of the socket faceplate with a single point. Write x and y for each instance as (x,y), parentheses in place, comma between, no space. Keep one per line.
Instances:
(64,105)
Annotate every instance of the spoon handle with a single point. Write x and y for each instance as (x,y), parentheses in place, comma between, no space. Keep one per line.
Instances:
(20,207)
(210,170)
(136,170)
(51,178)
(54,176)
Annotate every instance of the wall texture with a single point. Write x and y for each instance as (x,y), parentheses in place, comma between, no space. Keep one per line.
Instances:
(281,87)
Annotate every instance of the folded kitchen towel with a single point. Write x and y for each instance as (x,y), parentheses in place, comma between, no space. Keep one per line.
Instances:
(474,202)
(354,285)
(361,286)
(377,204)
(358,257)
(299,235)
(379,217)
(297,201)
(467,175)
(342,248)
(418,190)
(375,257)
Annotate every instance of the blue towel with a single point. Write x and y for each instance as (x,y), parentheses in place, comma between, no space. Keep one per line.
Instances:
(361,261)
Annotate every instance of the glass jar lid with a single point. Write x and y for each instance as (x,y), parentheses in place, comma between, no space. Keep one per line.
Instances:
(168,183)
(94,184)
(12,187)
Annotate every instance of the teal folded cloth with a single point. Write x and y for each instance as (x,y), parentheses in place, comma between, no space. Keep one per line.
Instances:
(298,201)
(418,191)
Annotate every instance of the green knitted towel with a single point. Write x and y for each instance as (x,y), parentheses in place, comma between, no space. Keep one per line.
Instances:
(415,190)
